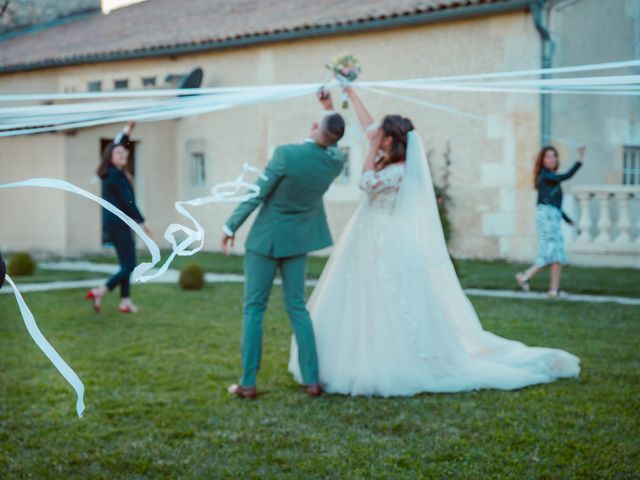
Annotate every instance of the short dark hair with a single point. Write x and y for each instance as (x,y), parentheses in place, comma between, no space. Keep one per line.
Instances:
(333,128)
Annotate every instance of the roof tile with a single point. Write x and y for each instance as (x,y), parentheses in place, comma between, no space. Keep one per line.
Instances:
(156,25)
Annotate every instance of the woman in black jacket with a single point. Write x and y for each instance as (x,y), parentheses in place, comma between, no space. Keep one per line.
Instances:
(548,218)
(117,190)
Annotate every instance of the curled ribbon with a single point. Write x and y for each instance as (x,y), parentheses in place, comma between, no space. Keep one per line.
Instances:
(220,193)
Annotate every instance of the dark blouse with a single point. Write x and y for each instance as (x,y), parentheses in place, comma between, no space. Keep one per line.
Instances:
(549,189)
(117,190)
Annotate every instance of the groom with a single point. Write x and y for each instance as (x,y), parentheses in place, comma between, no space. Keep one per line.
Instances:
(290,224)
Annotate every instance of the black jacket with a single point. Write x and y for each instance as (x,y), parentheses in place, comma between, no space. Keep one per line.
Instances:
(117,190)
(549,189)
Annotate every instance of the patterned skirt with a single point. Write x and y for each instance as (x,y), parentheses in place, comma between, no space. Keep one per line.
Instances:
(550,240)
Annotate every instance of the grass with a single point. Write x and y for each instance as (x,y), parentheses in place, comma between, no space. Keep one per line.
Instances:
(157,406)
(41,276)
(494,275)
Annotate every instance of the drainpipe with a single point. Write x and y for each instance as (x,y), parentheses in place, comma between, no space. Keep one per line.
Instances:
(538,9)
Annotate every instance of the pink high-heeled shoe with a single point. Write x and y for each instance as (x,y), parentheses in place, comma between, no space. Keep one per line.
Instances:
(95,300)
(128,308)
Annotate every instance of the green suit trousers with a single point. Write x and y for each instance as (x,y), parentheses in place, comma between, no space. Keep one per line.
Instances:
(260,271)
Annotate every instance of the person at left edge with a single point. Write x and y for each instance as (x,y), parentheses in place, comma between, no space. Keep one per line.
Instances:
(117,190)
(3,271)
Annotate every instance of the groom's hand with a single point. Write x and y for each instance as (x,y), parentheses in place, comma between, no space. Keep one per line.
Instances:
(324,97)
(226,243)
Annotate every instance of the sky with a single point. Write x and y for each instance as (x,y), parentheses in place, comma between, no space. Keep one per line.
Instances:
(108,5)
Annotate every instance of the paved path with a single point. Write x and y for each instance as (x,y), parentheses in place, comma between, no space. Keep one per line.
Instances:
(171,276)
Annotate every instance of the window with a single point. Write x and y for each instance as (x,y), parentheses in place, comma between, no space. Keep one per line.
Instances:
(148,81)
(345,175)
(173,79)
(121,84)
(94,86)
(198,170)
(631,166)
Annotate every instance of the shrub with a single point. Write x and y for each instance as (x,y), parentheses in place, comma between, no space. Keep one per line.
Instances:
(443,202)
(191,277)
(21,264)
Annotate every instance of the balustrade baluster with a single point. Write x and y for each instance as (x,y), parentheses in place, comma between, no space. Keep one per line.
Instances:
(604,219)
(584,221)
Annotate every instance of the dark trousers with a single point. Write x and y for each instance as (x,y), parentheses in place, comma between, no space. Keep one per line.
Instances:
(126,249)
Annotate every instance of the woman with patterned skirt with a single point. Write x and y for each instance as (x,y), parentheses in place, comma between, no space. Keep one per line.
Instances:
(548,218)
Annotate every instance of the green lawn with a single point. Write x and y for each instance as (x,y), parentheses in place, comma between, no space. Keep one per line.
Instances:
(157,405)
(473,274)
(41,276)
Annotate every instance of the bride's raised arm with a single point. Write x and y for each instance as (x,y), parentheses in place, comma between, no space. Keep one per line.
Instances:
(365,118)
(374,135)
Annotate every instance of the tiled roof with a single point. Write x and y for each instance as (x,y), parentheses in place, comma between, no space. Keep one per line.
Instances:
(162,27)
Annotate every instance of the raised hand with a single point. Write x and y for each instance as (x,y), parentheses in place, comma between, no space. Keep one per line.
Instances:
(375,139)
(324,97)
(131,124)
(581,152)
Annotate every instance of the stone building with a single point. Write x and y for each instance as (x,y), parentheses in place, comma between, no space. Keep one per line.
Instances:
(154,43)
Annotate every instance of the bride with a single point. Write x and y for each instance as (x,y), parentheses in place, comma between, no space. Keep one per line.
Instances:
(389,314)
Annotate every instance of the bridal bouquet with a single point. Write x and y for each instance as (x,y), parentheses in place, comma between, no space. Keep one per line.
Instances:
(345,68)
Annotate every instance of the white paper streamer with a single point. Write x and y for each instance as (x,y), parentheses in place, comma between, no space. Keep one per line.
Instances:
(47,118)
(57,184)
(424,103)
(161,110)
(65,370)
(220,193)
(284,87)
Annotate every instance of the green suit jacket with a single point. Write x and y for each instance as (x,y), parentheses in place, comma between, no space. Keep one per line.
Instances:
(292,220)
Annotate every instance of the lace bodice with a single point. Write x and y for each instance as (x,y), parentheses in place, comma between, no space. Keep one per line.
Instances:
(382,186)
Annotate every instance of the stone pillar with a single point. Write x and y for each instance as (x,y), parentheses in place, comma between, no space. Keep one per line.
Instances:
(624,220)
(604,220)
(584,222)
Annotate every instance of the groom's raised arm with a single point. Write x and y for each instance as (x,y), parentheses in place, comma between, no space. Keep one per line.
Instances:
(274,173)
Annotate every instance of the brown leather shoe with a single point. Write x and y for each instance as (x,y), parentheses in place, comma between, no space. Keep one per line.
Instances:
(242,392)
(314,390)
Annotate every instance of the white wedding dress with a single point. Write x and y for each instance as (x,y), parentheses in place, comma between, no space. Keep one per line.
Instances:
(389,314)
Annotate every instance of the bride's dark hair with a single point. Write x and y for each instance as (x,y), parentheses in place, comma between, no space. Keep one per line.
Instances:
(397,127)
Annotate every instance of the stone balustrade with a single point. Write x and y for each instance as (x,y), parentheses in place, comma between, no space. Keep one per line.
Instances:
(608,224)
